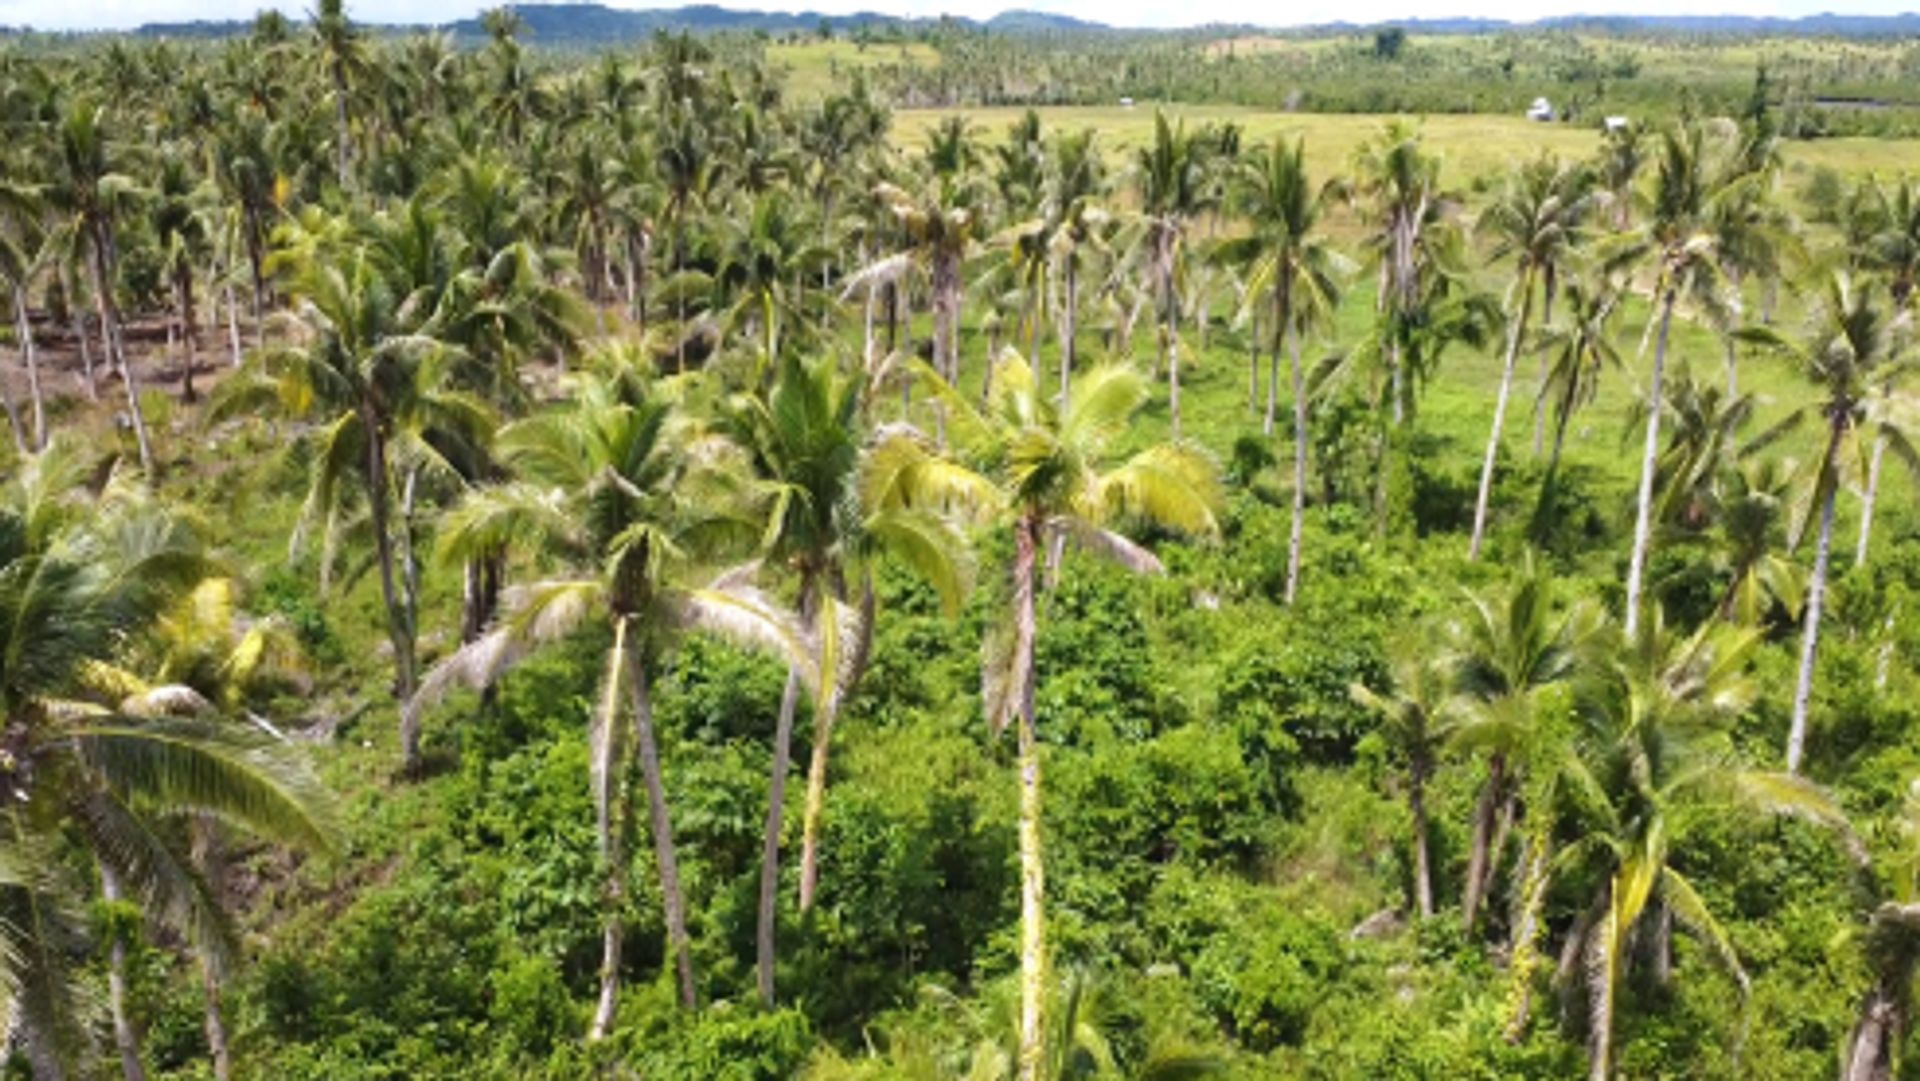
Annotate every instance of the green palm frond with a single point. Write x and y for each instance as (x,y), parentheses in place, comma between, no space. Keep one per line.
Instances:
(232,773)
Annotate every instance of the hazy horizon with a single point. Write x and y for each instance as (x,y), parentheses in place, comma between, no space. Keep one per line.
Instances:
(129,14)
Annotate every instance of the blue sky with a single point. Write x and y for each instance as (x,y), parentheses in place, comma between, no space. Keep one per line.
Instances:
(89,14)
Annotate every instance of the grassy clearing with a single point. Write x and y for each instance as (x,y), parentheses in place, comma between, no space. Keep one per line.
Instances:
(815,68)
(1471,147)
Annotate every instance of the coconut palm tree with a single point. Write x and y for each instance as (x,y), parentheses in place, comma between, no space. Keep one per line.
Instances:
(1659,758)
(79,577)
(1855,351)
(1892,945)
(642,500)
(1075,184)
(764,255)
(1301,271)
(1679,237)
(180,218)
(1582,350)
(1170,178)
(91,192)
(1416,716)
(803,437)
(341,52)
(1534,219)
(1056,489)
(376,391)
(1513,648)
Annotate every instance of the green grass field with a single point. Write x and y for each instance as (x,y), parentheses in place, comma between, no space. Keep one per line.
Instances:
(814,68)
(1470,146)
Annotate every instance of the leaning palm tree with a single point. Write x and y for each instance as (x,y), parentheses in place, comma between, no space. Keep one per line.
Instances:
(1294,266)
(1679,236)
(79,577)
(1535,219)
(803,437)
(1049,466)
(642,500)
(1855,351)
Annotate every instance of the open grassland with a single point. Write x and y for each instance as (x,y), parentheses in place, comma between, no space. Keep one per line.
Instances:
(815,68)
(1471,147)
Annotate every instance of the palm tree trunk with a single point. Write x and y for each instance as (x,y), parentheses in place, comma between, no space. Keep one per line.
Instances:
(1033,942)
(115,344)
(23,329)
(79,317)
(1867,500)
(398,634)
(1875,1038)
(343,150)
(1649,454)
(1282,326)
(1483,827)
(1514,336)
(1253,365)
(776,805)
(607,763)
(14,424)
(1526,935)
(189,330)
(817,764)
(1422,861)
(1068,318)
(125,1037)
(256,267)
(1816,599)
(206,853)
(1732,352)
(1543,509)
(1171,342)
(1549,286)
(1299,465)
(673,899)
(233,325)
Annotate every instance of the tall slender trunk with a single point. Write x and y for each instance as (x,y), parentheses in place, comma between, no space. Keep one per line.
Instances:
(125,1037)
(607,803)
(1730,345)
(673,900)
(1549,286)
(1068,318)
(1479,857)
(1526,934)
(23,329)
(1816,600)
(206,853)
(233,325)
(1543,509)
(1299,464)
(343,148)
(1875,1039)
(189,329)
(1514,336)
(79,318)
(1649,455)
(1253,360)
(15,425)
(1867,500)
(1422,865)
(102,270)
(776,807)
(817,762)
(1033,940)
(256,268)
(398,632)
(1282,328)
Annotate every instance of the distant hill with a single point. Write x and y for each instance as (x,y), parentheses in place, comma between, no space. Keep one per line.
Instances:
(587,24)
